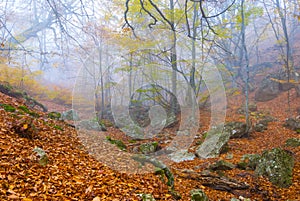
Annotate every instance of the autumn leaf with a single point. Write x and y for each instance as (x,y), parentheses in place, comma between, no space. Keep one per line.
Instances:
(96,199)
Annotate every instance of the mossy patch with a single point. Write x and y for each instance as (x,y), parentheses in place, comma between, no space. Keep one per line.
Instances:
(118,143)
(148,148)
(54,115)
(8,108)
(27,111)
(292,142)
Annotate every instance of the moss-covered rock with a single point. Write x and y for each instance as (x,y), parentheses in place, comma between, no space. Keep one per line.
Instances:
(249,161)
(292,142)
(70,115)
(293,124)
(236,129)
(148,148)
(198,195)
(277,165)
(91,125)
(260,127)
(147,197)
(221,165)
(214,143)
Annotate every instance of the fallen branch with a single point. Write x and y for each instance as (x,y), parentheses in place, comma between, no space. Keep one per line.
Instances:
(213,181)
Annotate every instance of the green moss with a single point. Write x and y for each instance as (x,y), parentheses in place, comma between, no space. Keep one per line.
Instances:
(148,148)
(54,115)
(27,111)
(292,142)
(242,165)
(58,127)
(251,160)
(204,135)
(8,108)
(132,141)
(24,108)
(118,143)
(277,165)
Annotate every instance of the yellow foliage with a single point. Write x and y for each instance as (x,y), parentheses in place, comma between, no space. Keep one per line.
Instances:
(284,81)
(26,80)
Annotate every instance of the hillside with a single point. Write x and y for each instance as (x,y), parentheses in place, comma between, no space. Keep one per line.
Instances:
(72,174)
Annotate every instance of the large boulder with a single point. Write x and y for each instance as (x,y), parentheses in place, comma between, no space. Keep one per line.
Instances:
(272,86)
(221,165)
(236,129)
(181,155)
(214,143)
(70,115)
(91,125)
(277,165)
(134,131)
(293,124)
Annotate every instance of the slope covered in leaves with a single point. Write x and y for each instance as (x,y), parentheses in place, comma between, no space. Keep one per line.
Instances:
(73,174)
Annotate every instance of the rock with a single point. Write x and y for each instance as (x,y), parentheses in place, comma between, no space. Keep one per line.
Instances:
(272,86)
(262,124)
(91,125)
(292,142)
(252,107)
(214,143)
(148,148)
(70,115)
(268,90)
(171,120)
(244,199)
(236,129)
(293,124)
(181,155)
(198,195)
(147,197)
(221,165)
(277,165)
(134,131)
(249,161)
(43,158)
(260,127)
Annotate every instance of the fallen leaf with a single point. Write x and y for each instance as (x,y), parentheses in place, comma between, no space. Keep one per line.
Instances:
(96,198)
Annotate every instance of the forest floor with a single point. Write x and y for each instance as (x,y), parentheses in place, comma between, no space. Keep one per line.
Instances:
(73,174)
